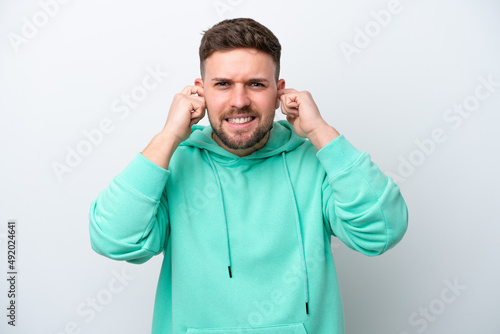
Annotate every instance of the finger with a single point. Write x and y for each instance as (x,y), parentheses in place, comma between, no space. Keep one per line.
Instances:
(197,116)
(198,105)
(289,111)
(286,91)
(199,113)
(289,107)
(290,98)
(195,120)
(197,101)
(190,90)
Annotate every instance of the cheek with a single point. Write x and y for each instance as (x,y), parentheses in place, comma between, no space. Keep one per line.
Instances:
(214,103)
(215,100)
(266,103)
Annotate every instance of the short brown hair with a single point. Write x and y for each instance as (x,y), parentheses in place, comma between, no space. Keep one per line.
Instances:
(239,33)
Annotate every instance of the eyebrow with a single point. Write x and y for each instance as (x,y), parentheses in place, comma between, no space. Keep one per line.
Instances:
(251,80)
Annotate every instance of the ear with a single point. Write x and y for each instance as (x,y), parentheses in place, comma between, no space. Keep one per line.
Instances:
(279,85)
(199,82)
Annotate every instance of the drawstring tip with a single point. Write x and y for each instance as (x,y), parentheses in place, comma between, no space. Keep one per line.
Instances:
(229,268)
(307,308)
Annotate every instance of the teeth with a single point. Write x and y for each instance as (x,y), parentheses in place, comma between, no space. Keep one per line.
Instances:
(239,120)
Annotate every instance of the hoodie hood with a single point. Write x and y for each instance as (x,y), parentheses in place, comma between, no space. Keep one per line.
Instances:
(282,139)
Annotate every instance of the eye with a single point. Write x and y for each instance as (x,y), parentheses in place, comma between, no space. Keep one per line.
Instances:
(257,84)
(222,84)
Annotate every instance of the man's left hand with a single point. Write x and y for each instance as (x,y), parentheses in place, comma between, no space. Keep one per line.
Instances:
(302,112)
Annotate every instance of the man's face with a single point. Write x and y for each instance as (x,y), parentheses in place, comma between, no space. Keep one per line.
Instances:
(241,98)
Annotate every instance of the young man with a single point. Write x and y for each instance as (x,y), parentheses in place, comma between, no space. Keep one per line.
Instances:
(244,209)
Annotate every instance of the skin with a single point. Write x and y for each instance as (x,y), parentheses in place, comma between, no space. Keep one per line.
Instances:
(240,81)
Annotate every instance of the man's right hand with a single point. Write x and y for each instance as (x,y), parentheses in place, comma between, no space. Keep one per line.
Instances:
(188,108)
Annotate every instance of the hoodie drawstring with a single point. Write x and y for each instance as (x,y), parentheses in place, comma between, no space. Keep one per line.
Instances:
(299,235)
(214,170)
(297,225)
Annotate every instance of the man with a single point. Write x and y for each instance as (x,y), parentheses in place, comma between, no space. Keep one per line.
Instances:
(244,209)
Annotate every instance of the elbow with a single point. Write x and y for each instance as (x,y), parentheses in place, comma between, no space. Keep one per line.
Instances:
(117,248)
(386,233)
(119,251)
(396,226)
(394,214)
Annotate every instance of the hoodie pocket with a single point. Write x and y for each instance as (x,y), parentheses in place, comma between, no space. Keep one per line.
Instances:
(295,328)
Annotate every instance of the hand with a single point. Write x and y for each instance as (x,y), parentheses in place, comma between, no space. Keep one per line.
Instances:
(186,109)
(302,112)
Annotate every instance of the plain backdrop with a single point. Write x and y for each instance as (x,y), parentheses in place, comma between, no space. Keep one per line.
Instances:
(414,83)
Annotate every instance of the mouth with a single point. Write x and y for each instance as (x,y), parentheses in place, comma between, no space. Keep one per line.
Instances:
(240,122)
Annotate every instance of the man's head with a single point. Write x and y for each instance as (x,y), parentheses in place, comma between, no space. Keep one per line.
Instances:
(239,62)
(240,33)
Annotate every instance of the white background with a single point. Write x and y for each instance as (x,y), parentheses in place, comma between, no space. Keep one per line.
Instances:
(389,95)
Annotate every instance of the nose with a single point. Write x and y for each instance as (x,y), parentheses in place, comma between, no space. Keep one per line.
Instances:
(239,97)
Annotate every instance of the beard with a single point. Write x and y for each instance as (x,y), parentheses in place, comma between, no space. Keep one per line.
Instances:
(241,139)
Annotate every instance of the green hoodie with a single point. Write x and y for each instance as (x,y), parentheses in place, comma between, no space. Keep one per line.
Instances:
(246,240)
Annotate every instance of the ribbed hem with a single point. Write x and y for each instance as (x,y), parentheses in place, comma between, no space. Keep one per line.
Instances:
(145,176)
(337,155)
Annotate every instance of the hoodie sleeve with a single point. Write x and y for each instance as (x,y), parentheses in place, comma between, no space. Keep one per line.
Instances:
(129,219)
(361,205)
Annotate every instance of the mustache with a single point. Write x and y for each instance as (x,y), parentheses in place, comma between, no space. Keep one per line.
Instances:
(239,111)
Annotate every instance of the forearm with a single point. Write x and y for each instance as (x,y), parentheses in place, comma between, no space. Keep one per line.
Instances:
(129,219)
(363,206)
(322,136)
(372,218)
(160,149)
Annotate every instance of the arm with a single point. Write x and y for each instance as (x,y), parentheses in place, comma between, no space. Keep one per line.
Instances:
(361,206)
(129,219)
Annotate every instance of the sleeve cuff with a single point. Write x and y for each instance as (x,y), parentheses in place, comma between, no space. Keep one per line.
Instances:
(145,176)
(338,155)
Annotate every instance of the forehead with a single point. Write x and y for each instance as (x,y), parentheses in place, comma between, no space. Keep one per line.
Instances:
(239,64)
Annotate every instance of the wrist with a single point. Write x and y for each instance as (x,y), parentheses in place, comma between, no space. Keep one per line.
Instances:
(168,136)
(322,136)
(161,149)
